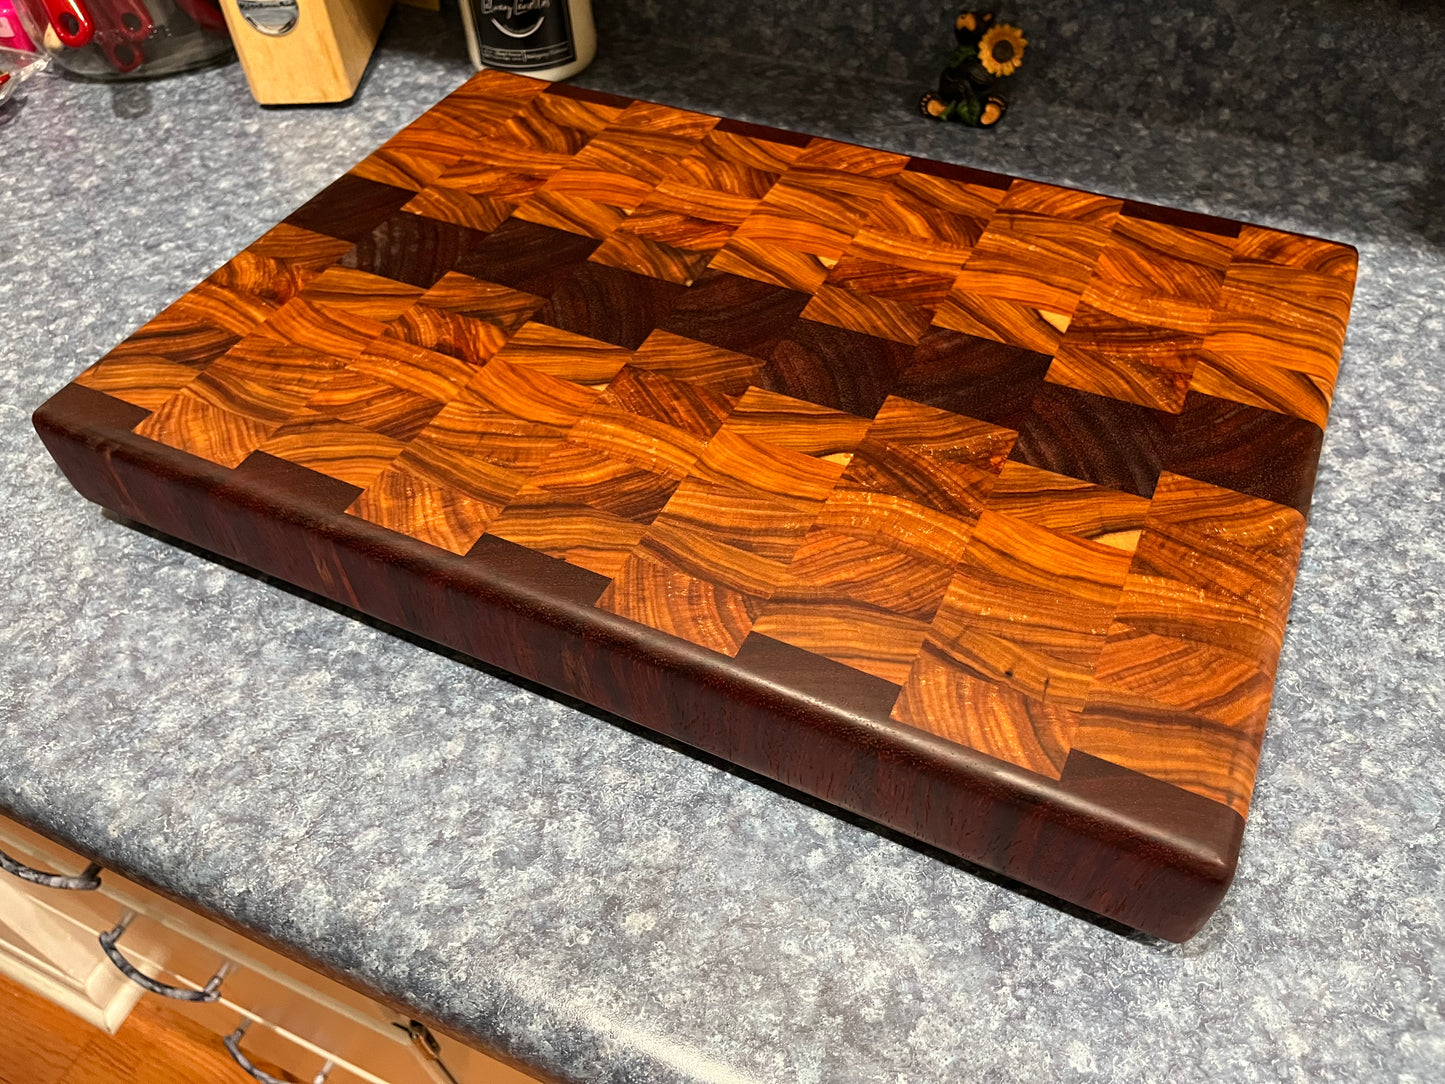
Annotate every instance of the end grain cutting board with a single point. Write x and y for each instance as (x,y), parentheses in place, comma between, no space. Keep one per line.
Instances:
(968,503)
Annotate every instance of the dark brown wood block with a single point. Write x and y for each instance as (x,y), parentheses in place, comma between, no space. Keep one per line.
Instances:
(966,503)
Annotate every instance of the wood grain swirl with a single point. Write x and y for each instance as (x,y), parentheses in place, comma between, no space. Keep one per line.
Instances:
(700,364)
(1002,321)
(360,292)
(865,270)
(1066,504)
(946,698)
(1292,250)
(664,598)
(1095,438)
(414,157)
(335,332)
(693,408)
(704,556)
(775,263)
(578,473)
(955,489)
(564,354)
(180,335)
(645,255)
(341,450)
(1039,262)
(856,601)
(404,501)
(1137,363)
(868,314)
(579,534)
(480,200)
(941,434)
(364,399)
(946,212)
(1193,753)
(146,382)
(743,516)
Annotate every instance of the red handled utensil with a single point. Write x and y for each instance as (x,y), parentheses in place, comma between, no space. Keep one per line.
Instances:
(71,20)
(121,49)
(204,13)
(131,17)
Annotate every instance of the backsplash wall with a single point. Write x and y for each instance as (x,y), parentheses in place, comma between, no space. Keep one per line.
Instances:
(1364,76)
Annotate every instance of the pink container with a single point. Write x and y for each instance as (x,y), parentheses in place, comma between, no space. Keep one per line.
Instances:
(12,31)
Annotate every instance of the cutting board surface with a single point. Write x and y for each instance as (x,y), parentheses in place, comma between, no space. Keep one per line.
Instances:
(970,503)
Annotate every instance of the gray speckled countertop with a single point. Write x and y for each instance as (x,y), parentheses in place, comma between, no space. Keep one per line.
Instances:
(608,907)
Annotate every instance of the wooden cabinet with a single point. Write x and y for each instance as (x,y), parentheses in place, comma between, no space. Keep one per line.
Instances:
(51,942)
(45,949)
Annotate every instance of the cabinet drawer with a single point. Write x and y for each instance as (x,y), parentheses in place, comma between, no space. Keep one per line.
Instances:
(37,852)
(188,952)
(470,1066)
(37,918)
(81,917)
(49,953)
(189,946)
(300,1055)
(375,1046)
(269,1049)
(288,1002)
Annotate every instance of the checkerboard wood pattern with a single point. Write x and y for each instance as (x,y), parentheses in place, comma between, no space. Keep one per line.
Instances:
(1027,466)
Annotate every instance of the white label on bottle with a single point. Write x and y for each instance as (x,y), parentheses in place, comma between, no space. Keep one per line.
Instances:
(523,35)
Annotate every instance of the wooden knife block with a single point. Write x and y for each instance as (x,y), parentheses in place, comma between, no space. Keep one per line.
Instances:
(319,60)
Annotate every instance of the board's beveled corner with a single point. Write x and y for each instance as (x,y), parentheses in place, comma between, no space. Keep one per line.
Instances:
(1190,842)
(79,426)
(1353,264)
(1079,838)
(75,409)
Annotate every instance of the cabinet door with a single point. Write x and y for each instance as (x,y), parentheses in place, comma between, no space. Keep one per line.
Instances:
(380,1056)
(274,1052)
(49,953)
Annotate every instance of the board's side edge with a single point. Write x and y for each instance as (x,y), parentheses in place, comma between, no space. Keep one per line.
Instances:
(1102,837)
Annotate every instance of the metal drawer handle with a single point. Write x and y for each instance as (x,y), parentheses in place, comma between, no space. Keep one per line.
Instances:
(233,1047)
(81,882)
(210,992)
(422,1038)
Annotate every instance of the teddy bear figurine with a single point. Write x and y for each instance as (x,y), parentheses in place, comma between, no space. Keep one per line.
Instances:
(987,51)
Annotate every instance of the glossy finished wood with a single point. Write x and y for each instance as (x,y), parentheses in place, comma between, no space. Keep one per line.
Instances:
(967,503)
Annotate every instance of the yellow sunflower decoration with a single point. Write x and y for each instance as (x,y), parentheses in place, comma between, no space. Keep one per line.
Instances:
(1001,49)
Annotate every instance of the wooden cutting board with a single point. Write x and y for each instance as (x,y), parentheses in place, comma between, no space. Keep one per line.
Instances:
(967,503)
